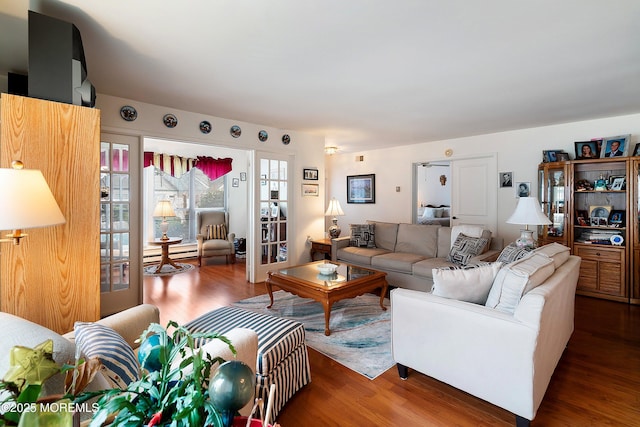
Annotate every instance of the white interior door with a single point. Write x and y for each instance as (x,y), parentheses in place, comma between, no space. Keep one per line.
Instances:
(272,208)
(474,196)
(120,249)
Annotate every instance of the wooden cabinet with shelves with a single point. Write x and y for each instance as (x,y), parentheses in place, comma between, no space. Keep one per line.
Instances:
(552,180)
(600,232)
(592,205)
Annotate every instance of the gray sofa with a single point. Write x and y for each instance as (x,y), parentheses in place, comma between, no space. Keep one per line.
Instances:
(409,252)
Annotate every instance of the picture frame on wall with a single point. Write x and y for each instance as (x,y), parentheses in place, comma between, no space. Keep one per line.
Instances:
(523,189)
(310,174)
(506,179)
(361,188)
(310,190)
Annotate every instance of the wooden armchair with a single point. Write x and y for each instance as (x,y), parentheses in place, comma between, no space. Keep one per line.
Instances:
(213,236)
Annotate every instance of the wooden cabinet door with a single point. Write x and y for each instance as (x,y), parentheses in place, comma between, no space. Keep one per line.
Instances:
(52,278)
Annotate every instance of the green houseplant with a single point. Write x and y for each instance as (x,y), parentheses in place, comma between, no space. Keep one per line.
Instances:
(173,389)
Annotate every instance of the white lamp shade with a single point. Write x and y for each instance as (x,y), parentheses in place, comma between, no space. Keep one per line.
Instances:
(163,209)
(27,200)
(334,208)
(528,212)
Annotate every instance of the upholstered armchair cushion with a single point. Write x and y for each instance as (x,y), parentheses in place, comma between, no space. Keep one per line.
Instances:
(213,236)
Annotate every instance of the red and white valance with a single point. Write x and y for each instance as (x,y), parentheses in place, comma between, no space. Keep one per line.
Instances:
(177,166)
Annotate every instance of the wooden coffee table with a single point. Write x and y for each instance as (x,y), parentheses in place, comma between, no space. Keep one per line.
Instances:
(348,281)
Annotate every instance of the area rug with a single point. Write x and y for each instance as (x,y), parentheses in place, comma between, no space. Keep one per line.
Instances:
(167,269)
(360,330)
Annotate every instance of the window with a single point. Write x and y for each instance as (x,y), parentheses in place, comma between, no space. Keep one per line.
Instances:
(188,194)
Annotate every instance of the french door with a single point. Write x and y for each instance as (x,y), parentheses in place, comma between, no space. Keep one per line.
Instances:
(120,249)
(272,207)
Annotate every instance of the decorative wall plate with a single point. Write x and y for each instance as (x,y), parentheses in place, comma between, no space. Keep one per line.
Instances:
(616,240)
(205,127)
(235,131)
(170,120)
(286,139)
(128,113)
(263,135)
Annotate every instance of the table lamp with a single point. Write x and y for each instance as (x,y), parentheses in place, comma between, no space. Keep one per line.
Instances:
(334,210)
(28,202)
(163,210)
(528,212)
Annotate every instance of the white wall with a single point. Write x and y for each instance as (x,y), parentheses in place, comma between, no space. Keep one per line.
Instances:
(307,151)
(519,151)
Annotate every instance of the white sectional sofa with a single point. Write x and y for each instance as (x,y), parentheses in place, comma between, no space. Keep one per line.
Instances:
(506,358)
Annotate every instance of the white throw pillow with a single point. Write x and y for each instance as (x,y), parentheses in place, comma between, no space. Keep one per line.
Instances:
(516,279)
(470,283)
(429,213)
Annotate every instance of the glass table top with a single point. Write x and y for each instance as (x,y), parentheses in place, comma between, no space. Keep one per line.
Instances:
(310,273)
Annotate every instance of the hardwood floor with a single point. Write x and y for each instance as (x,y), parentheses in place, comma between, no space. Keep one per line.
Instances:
(596,383)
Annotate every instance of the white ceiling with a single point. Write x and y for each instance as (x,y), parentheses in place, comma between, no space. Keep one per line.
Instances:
(363,73)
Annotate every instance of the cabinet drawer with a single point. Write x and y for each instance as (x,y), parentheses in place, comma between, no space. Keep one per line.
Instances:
(600,253)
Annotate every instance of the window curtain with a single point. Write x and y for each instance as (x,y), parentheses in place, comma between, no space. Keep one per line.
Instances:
(214,168)
(177,166)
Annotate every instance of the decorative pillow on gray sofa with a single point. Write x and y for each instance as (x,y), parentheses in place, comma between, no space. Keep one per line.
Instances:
(464,248)
(470,283)
(513,253)
(362,235)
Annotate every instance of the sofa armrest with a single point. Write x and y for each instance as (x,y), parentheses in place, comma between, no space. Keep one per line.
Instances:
(129,323)
(337,243)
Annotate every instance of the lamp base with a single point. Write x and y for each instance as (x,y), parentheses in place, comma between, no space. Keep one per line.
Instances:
(164,227)
(334,230)
(526,239)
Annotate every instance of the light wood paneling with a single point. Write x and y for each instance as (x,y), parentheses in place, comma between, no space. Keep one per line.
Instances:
(53,276)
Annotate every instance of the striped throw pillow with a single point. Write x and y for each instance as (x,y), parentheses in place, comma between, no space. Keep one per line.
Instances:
(119,364)
(217,231)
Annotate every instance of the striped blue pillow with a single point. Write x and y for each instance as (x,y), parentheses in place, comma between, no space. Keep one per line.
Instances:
(120,365)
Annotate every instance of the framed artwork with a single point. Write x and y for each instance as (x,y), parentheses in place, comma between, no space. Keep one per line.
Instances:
(617,183)
(275,195)
(310,174)
(599,212)
(550,155)
(615,146)
(235,182)
(617,218)
(243,176)
(310,189)
(582,217)
(587,150)
(506,179)
(562,156)
(523,189)
(361,188)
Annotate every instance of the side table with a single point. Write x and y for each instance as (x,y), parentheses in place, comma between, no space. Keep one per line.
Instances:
(321,246)
(165,251)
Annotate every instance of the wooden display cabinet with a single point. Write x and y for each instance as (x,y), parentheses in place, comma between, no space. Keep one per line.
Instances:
(600,225)
(553,192)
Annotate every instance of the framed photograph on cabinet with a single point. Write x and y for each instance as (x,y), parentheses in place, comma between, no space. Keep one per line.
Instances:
(618,183)
(617,218)
(615,146)
(310,174)
(361,188)
(636,151)
(587,150)
(310,189)
(599,212)
(582,218)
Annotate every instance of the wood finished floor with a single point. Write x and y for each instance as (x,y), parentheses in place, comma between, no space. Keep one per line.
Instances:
(597,382)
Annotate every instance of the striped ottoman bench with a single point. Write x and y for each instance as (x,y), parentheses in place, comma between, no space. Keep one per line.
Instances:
(282,353)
